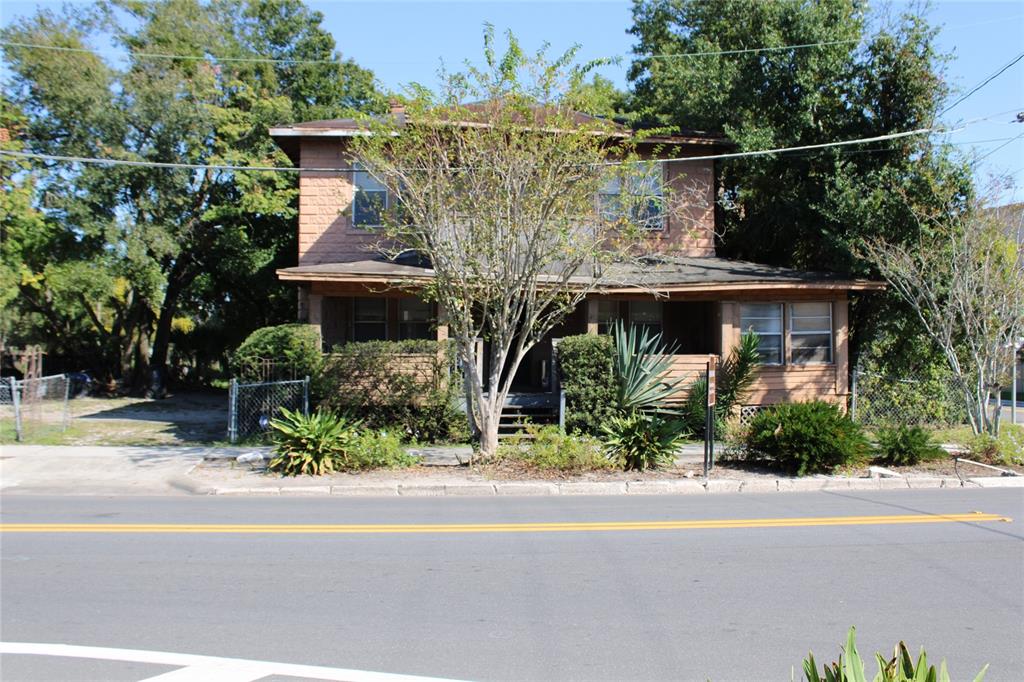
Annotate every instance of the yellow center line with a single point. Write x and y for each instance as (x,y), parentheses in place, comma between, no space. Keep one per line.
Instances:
(793,522)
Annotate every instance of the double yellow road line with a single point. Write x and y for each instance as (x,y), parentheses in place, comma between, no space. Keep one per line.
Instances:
(568,527)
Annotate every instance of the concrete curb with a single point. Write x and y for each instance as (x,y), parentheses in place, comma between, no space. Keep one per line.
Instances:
(655,487)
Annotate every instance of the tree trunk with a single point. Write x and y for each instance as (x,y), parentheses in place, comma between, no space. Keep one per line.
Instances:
(177,280)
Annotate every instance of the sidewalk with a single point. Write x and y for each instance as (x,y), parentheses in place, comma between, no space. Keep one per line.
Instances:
(93,470)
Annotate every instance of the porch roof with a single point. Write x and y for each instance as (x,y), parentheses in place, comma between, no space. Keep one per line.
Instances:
(662,274)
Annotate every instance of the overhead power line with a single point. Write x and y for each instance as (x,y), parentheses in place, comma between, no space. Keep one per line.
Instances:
(993,151)
(983,83)
(287,169)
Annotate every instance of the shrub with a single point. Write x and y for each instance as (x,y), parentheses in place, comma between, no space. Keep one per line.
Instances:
(309,444)
(547,447)
(734,378)
(641,441)
(806,438)
(900,668)
(906,446)
(405,385)
(1007,448)
(297,346)
(585,366)
(372,449)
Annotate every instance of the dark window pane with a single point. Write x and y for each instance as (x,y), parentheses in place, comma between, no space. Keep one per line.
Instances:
(369,207)
(770,349)
(812,348)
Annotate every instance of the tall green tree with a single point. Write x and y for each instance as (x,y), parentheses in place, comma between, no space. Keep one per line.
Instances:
(200,243)
(865,76)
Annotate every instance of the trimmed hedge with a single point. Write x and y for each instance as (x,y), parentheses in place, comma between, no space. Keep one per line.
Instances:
(296,346)
(585,364)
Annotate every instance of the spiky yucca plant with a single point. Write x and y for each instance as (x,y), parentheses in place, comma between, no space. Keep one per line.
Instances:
(309,444)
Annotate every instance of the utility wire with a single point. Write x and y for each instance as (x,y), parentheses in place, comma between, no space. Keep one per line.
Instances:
(993,151)
(983,83)
(285,169)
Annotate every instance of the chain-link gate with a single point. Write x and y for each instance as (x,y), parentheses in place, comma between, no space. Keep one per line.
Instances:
(252,406)
(35,406)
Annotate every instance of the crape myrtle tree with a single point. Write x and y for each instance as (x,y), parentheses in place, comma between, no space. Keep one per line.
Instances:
(964,282)
(495,182)
(136,253)
(864,74)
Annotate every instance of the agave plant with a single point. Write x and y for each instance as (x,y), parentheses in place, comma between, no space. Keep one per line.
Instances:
(639,441)
(309,444)
(641,364)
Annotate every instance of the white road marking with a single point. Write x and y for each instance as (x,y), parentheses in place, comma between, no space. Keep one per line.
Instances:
(208,668)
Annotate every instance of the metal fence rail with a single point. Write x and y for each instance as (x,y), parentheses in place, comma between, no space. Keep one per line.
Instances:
(35,405)
(251,406)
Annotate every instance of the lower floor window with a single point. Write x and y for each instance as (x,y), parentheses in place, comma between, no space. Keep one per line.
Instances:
(369,319)
(415,319)
(765,320)
(810,332)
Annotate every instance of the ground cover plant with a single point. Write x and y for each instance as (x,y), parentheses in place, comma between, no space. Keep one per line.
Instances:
(805,438)
(906,446)
(639,441)
(549,449)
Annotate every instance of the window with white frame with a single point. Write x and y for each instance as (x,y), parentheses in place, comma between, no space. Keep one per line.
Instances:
(415,318)
(369,319)
(810,332)
(646,315)
(765,320)
(370,201)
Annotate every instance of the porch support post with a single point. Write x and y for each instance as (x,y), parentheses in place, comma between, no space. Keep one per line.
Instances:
(315,315)
(592,316)
(728,313)
(841,333)
(442,323)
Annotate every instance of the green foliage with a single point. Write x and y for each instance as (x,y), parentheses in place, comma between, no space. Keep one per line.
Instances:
(640,364)
(404,385)
(806,438)
(640,441)
(309,445)
(734,378)
(900,668)
(159,243)
(1006,448)
(906,446)
(549,449)
(296,346)
(585,369)
(324,442)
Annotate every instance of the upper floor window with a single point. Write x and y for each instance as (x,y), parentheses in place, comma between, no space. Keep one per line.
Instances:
(638,197)
(810,332)
(371,199)
(765,320)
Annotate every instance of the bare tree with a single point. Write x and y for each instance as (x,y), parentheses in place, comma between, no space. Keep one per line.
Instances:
(496,182)
(966,284)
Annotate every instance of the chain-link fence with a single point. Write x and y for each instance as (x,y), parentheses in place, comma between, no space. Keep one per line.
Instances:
(878,399)
(251,406)
(35,407)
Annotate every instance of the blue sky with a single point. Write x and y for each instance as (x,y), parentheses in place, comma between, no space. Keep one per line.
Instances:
(406,41)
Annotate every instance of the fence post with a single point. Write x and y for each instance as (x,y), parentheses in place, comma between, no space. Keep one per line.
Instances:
(233,411)
(16,401)
(853,396)
(561,411)
(305,396)
(67,395)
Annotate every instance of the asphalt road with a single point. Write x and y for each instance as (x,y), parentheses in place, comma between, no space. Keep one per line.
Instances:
(736,603)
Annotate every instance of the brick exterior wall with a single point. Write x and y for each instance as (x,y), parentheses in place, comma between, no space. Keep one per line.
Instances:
(326,233)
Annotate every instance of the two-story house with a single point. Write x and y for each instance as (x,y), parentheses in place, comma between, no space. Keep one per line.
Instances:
(698,301)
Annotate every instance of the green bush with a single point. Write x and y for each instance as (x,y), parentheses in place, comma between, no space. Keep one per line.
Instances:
(585,367)
(906,446)
(1007,448)
(404,385)
(900,668)
(309,444)
(295,346)
(372,449)
(639,441)
(548,448)
(806,438)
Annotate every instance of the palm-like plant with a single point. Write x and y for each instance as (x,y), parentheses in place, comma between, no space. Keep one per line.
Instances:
(641,364)
(735,377)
